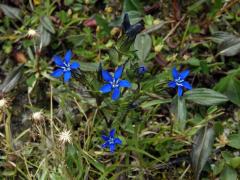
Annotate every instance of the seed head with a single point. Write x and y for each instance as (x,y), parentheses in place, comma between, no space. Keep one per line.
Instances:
(65,137)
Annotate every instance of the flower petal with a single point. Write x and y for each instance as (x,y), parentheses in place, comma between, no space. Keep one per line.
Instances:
(118,72)
(58,61)
(57,73)
(124,83)
(117,141)
(105,138)
(116,94)
(174,73)
(106,76)
(172,84)
(187,85)
(112,147)
(68,56)
(106,88)
(180,91)
(67,76)
(112,133)
(184,74)
(75,65)
(106,144)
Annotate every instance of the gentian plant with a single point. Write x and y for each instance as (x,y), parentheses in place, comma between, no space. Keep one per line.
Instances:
(64,66)
(179,81)
(114,83)
(111,141)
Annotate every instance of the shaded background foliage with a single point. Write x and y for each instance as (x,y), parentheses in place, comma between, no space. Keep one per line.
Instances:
(195,136)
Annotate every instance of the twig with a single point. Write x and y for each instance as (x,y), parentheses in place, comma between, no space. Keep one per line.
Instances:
(174,28)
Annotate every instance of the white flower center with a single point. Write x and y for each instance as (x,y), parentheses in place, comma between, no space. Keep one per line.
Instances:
(66,67)
(179,81)
(111,140)
(114,83)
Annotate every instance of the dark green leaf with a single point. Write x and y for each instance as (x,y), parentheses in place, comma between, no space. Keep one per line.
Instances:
(228,174)
(84,66)
(11,12)
(134,17)
(45,36)
(47,24)
(205,96)
(218,168)
(201,150)
(131,5)
(142,45)
(230,47)
(235,162)
(221,36)
(154,102)
(11,80)
(234,140)
(103,23)
(230,86)
(229,44)
(180,111)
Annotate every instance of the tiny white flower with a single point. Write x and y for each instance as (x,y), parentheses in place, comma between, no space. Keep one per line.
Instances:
(65,137)
(38,116)
(32,33)
(3,103)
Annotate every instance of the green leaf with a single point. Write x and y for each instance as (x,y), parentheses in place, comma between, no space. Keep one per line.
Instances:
(229,44)
(31,82)
(230,86)
(134,17)
(131,5)
(68,2)
(221,36)
(234,141)
(11,12)
(12,79)
(142,45)
(179,109)
(45,37)
(154,102)
(201,150)
(230,47)
(93,67)
(114,56)
(218,167)
(103,23)
(205,96)
(47,24)
(235,162)
(228,174)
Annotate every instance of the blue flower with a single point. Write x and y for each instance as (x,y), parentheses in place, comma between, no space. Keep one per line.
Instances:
(142,69)
(64,66)
(114,83)
(111,141)
(179,81)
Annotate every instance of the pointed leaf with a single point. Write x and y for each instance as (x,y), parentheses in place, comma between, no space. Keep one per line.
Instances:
(11,12)
(142,45)
(12,79)
(47,24)
(205,96)
(178,108)
(201,150)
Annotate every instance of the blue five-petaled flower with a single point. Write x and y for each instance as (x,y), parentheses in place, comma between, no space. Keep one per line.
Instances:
(111,141)
(114,83)
(179,81)
(64,66)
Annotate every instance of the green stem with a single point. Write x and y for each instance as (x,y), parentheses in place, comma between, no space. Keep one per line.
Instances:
(8,131)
